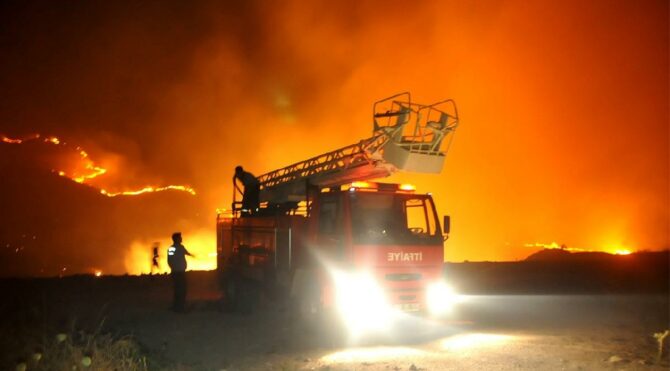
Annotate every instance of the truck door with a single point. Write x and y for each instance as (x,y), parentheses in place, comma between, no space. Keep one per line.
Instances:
(330,235)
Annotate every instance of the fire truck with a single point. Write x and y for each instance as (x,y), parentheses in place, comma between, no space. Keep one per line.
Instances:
(327,237)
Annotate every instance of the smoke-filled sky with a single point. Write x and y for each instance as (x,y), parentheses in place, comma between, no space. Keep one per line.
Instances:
(564,114)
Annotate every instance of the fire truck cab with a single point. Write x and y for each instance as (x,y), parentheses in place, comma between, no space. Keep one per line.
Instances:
(383,234)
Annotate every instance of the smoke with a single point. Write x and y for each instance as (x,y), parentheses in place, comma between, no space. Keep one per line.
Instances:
(564,106)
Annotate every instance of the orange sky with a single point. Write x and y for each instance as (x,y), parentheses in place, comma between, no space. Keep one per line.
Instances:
(563,105)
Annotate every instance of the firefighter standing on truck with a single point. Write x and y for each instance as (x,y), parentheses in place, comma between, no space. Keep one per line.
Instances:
(252,188)
(177,262)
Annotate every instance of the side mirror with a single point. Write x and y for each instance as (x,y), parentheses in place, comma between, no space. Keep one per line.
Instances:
(446,224)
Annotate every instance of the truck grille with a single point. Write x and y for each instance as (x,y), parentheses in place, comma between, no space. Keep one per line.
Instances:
(403,277)
(405,289)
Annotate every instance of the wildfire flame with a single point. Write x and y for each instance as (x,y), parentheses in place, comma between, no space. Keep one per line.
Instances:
(616,250)
(92,170)
(149,190)
(11,141)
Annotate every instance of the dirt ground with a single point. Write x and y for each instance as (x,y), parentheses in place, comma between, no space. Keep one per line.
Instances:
(486,332)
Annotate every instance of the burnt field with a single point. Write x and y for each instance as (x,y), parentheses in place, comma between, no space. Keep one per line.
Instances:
(570,315)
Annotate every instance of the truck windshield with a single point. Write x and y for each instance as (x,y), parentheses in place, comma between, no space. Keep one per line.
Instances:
(393,219)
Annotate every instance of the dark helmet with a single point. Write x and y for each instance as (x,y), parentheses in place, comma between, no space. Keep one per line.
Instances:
(176,237)
(239,169)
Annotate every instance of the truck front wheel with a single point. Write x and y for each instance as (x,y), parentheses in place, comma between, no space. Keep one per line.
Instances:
(306,295)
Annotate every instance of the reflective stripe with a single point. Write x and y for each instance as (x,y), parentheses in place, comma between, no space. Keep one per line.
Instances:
(171,250)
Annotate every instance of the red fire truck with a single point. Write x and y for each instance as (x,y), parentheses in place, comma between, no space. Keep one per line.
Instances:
(328,237)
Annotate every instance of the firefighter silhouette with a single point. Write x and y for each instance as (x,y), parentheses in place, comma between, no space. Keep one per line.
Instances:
(177,261)
(250,196)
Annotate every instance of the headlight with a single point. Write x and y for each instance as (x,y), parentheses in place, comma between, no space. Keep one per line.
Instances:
(361,302)
(441,298)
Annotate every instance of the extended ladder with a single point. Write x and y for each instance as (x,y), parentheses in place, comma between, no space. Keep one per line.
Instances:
(406,136)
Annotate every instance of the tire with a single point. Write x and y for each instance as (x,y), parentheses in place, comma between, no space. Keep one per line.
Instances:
(247,296)
(229,300)
(309,305)
(321,323)
(239,295)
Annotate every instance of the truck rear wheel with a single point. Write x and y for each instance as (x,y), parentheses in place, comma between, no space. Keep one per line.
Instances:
(240,295)
(248,297)
(229,289)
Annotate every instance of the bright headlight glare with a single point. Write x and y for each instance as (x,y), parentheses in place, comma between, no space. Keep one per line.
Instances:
(441,298)
(361,302)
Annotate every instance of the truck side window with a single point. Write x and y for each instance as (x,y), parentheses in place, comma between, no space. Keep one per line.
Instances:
(420,216)
(416,216)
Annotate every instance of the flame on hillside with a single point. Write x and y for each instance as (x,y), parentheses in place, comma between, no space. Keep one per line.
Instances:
(149,190)
(91,170)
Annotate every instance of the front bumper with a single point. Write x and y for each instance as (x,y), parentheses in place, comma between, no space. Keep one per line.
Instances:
(365,304)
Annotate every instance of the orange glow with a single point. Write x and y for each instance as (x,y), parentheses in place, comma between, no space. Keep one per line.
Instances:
(563,136)
(610,249)
(93,171)
(200,243)
(618,249)
(407,187)
(361,185)
(98,273)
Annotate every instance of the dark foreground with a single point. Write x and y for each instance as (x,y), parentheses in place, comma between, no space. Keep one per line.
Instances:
(590,331)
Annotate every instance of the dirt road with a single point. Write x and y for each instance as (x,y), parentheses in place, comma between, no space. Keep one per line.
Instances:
(493,333)
(512,332)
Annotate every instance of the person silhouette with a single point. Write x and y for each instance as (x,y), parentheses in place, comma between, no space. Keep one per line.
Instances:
(155,265)
(177,261)
(250,196)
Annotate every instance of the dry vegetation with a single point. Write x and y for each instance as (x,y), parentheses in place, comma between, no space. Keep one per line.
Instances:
(82,351)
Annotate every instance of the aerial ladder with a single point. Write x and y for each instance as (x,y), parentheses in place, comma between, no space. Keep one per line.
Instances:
(406,136)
